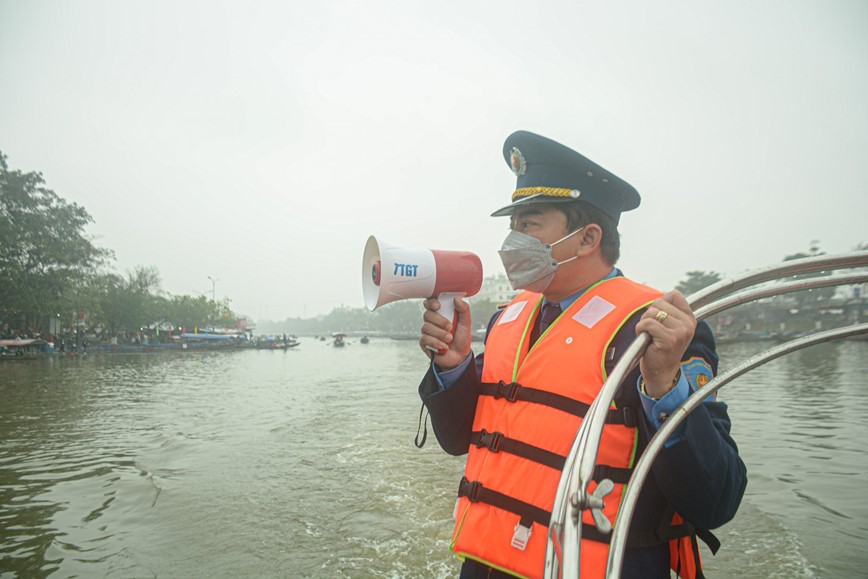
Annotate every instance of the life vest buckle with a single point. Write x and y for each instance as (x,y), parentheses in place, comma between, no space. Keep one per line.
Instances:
(521,536)
(469,489)
(508,391)
(490,440)
(629,415)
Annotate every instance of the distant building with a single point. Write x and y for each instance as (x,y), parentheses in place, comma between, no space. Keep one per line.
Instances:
(856,306)
(496,288)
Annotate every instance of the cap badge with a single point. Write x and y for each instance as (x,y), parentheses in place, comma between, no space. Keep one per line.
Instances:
(519,165)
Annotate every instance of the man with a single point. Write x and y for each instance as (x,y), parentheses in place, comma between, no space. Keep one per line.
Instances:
(516,409)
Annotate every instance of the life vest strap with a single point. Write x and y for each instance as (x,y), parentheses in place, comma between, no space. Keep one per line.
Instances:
(667,531)
(513,391)
(476,492)
(709,539)
(497,442)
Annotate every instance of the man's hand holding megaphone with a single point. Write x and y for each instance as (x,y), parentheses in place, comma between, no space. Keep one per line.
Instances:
(448,347)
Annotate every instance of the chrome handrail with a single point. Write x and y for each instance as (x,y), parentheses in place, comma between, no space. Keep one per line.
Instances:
(643,466)
(564,540)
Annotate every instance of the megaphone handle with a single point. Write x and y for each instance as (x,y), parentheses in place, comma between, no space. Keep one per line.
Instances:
(447,310)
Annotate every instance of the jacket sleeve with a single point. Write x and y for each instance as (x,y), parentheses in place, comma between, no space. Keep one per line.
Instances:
(452,409)
(703,476)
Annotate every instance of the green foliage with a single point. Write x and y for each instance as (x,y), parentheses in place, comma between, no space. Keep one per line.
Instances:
(805,298)
(44,251)
(697,280)
(481,312)
(49,266)
(124,303)
(188,311)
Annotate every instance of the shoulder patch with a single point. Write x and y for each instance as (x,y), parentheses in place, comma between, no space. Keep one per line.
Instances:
(592,312)
(698,373)
(511,313)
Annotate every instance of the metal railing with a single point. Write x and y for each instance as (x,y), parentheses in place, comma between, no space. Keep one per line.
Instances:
(563,550)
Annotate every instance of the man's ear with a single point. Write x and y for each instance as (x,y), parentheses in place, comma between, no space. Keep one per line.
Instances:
(590,239)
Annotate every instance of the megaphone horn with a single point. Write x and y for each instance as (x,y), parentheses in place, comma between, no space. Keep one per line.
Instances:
(391,273)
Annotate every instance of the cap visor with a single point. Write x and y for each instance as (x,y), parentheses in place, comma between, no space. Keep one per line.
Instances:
(532,200)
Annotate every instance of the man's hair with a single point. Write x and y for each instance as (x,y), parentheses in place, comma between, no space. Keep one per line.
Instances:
(581,214)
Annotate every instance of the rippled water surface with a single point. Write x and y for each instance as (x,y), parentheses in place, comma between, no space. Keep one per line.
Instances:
(302,464)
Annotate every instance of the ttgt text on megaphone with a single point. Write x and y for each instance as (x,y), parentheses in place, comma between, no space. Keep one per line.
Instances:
(391,273)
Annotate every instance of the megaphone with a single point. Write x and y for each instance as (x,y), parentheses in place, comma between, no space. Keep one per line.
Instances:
(391,273)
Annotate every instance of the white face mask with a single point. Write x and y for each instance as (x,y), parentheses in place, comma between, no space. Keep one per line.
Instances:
(528,261)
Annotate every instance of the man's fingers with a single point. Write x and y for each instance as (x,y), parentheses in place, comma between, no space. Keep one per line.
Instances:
(435,318)
(677,299)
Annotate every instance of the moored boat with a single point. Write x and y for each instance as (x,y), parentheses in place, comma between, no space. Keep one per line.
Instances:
(275,342)
(27,349)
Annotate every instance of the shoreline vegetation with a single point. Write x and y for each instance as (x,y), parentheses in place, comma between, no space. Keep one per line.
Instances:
(57,285)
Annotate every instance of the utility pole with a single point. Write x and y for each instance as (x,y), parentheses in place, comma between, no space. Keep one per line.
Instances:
(213,297)
(213,289)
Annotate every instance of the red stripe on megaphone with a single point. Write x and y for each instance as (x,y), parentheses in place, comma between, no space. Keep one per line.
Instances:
(457,271)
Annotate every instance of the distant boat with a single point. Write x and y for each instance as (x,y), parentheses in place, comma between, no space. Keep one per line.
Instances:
(28,349)
(203,341)
(275,343)
(339,340)
(747,336)
(364,340)
(404,336)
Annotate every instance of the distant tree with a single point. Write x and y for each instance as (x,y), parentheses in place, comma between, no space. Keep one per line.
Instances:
(481,312)
(225,316)
(144,280)
(44,251)
(189,312)
(813,251)
(697,280)
(99,296)
(403,317)
(123,306)
(812,296)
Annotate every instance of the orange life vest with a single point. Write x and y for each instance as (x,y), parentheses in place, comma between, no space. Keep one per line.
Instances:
(531,404)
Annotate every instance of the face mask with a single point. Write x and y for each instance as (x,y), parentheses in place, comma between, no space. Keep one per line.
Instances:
(528,261)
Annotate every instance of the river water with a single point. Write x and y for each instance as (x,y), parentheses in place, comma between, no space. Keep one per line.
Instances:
(302,464)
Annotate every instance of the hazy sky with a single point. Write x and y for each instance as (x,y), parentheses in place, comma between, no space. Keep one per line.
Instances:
(260,143)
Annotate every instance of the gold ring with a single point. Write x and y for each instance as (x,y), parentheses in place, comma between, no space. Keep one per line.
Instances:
(661,315)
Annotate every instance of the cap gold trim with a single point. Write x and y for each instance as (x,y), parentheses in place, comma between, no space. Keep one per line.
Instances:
(544,191)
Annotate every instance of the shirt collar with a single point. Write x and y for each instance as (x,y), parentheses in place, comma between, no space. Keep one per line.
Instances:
(568,301)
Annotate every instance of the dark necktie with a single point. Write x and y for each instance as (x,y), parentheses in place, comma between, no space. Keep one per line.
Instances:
(550,312)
